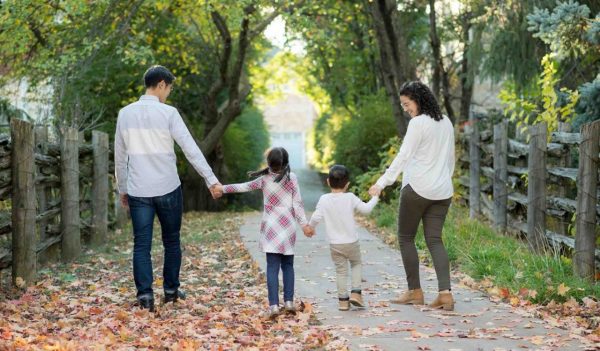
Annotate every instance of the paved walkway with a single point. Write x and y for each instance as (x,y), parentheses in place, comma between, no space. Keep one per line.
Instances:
(476,324)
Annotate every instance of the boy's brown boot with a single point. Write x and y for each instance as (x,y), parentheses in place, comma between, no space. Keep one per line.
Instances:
(344,304)
(410,297)
(356,298)
(444,301)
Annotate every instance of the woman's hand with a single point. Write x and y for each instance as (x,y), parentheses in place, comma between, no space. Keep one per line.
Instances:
(375,190)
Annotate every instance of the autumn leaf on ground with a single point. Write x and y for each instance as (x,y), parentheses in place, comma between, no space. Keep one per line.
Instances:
(562,289)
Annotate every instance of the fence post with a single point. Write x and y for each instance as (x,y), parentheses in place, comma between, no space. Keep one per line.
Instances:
(41,139)
(71,239)
(474,165)
(500,174)
(536,189)
(24,259)
(100,188)
(587,178)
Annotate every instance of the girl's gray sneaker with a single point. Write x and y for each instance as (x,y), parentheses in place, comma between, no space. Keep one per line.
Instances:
(289,307)
(274,311)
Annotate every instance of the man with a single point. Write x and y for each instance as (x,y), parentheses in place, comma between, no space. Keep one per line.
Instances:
(146,172)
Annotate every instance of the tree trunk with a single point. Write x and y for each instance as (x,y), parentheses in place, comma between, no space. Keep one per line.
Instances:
(467,73)
(396,65)
(435,48)
(439,73)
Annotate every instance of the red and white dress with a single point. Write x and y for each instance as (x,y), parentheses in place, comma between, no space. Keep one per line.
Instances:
(282,206)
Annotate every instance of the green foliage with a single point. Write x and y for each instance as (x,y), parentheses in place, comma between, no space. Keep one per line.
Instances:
(513,53)
(588,107)
(8,111)
(244,144)
(572,37)
(364,181)
(544,107)
(568,30)
(361,136)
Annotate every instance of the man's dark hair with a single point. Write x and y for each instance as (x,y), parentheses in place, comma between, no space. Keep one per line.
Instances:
(338,176)
(156,74)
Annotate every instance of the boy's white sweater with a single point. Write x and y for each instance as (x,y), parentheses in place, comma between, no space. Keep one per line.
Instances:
(337,210)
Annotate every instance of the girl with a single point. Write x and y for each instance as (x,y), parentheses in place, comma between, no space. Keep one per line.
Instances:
(282,205)
(426,158)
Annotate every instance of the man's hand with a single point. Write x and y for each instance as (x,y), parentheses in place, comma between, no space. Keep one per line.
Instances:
(375,190)
(123,199)
(216,190)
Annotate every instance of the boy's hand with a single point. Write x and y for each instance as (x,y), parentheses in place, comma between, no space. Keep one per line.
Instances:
(375,190)
(308,231)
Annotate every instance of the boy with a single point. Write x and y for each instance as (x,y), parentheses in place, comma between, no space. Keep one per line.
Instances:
(337,210)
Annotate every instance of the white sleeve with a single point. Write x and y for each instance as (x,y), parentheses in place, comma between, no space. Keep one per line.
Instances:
(364,207)
(407,150)
(317,216)
(184,139)
(121,158)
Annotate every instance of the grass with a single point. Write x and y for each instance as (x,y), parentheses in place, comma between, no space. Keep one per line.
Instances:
(477,250)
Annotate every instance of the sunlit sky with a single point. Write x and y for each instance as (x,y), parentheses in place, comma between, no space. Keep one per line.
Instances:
(275,33)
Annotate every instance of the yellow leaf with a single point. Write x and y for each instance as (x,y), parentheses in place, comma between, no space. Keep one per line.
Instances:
(562,289)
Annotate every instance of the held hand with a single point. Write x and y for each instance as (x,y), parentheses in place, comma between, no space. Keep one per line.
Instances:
(308,231)
(123,200)
(375,190)
(216,190)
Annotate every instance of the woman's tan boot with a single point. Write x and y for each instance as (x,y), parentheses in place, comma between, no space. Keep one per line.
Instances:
(443,301)
(410,297)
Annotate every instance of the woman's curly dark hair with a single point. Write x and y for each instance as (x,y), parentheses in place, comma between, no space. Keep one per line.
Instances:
(422,95)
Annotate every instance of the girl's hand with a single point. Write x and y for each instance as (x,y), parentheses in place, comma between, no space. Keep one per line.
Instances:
(216,190)
(308,231)
(375,190)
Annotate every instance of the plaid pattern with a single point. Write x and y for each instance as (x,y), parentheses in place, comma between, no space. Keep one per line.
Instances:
(282,207)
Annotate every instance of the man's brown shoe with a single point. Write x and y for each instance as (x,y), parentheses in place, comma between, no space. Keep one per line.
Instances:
(443,301)
(410,297)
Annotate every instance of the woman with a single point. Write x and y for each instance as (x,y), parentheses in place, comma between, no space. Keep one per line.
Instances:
(426,158)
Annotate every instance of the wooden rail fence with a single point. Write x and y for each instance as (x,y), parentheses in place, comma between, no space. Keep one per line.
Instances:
(535,185)
(52,195)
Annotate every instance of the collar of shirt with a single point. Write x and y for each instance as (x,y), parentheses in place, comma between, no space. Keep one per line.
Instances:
(149,97)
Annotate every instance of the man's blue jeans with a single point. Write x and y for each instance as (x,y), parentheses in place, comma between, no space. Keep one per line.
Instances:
(169,209)
(286,264)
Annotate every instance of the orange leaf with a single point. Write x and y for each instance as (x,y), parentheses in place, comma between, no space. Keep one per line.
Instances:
(563,289)
(504,293)
(95,310)
(416,334)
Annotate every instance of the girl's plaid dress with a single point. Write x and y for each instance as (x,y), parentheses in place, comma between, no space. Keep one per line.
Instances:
(282,205)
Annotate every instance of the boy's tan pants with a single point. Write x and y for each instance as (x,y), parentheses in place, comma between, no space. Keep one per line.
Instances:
(341,254)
